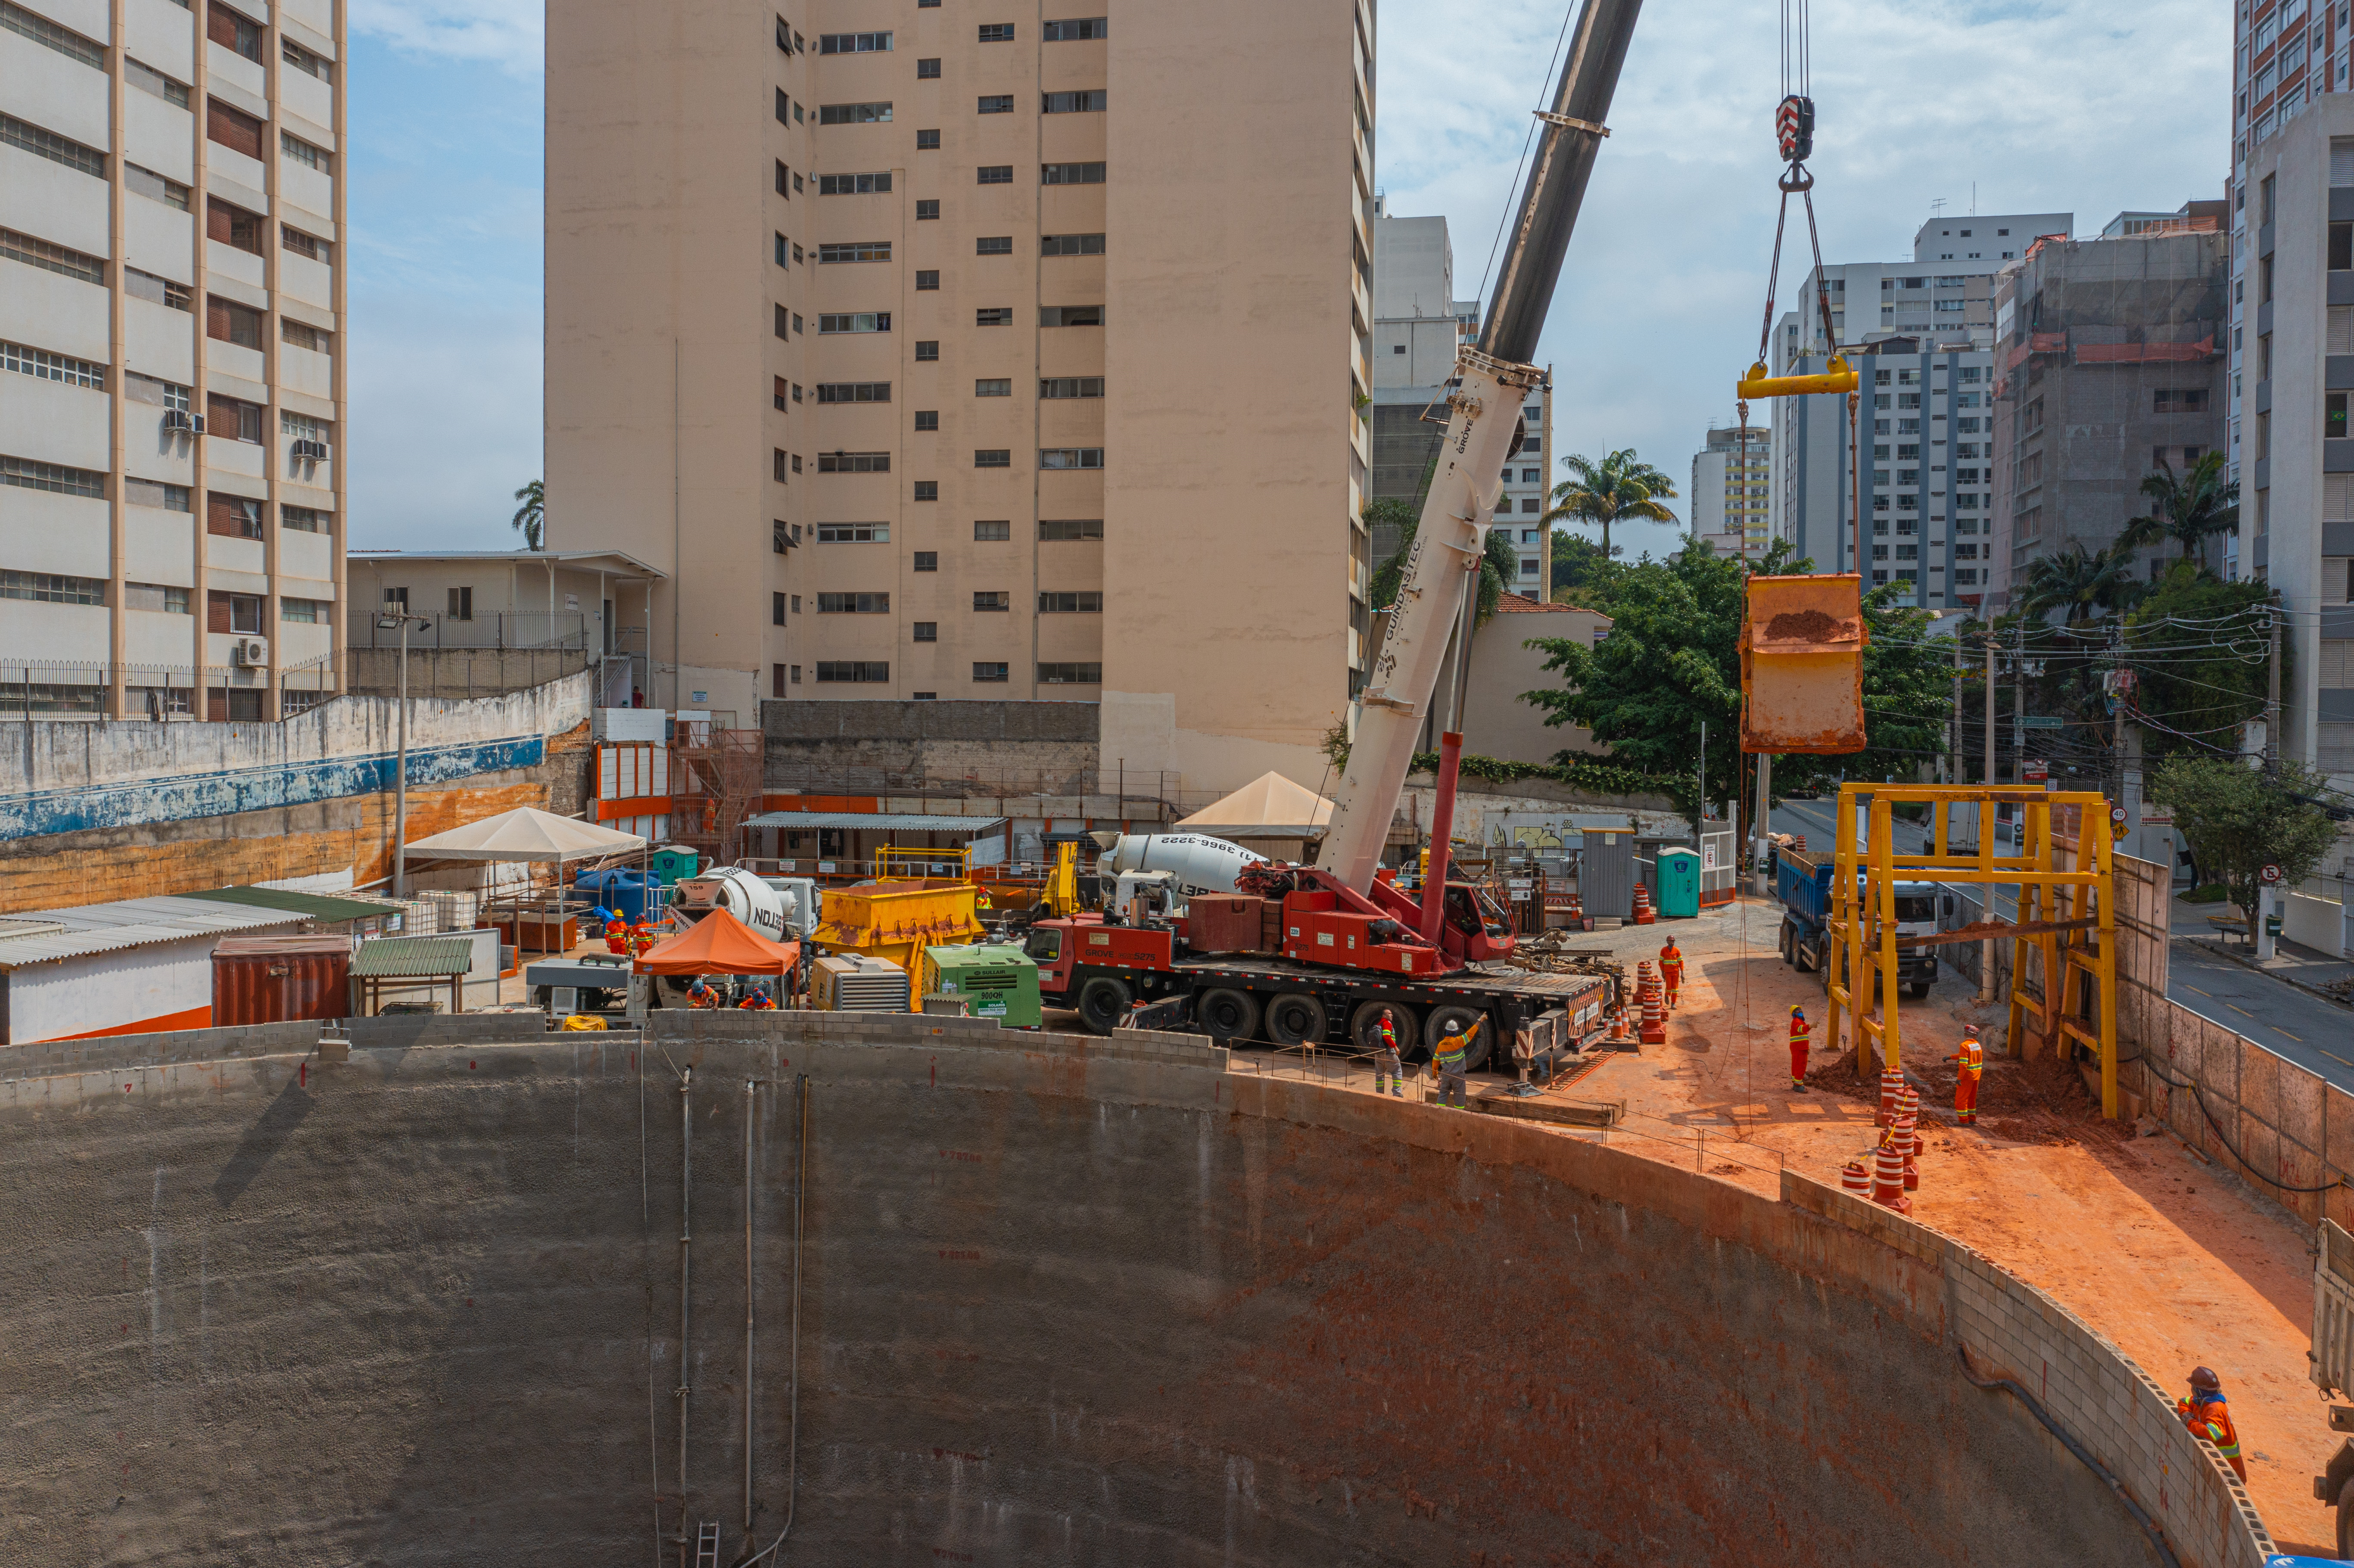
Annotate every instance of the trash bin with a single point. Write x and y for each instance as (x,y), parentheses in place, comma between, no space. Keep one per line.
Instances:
(1678,883)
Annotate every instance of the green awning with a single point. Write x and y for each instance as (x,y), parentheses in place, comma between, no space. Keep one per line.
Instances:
(413,958)
(310,905)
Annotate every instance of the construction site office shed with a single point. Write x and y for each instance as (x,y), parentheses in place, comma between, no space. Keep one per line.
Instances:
(134,966)
(410,963)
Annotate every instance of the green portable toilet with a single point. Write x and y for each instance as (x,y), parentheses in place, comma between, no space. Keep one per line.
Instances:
(1679,883)
(671,865)
(1000,982)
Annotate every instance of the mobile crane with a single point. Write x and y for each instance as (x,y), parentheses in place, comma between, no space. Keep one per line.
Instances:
(1347,944)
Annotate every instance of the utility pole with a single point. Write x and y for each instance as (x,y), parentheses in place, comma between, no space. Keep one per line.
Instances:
(1985,832)
(401,621)
(2272,701)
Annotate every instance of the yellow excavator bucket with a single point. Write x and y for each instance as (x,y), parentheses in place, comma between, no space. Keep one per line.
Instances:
(1835,377)
(1802,664)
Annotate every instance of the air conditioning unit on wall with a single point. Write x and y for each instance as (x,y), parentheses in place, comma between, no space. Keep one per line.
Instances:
(249,652)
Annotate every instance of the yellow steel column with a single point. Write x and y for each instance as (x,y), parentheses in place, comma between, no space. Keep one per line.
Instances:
(1883,884)
(2107,960)
(1841,984)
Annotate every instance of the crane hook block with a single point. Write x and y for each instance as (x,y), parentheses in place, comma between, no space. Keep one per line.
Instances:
(1836,377)
(1802,647)
(1793,128)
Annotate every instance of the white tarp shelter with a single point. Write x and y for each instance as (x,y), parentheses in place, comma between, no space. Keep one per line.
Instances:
(526,834)
(1269,807)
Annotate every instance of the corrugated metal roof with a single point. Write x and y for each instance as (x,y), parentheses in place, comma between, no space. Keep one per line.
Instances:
(413,957)
(883,821)
(310,905)
(132,923)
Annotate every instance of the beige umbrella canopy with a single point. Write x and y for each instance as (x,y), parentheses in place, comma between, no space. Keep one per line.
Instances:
(1269,807)
(526,834)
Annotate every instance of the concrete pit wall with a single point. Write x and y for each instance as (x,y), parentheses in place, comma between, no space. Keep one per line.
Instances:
(1065,1301)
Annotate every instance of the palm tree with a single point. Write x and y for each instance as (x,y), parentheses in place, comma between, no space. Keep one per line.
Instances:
(2185,509)
(1619,486)
(2080,582)
(531,517)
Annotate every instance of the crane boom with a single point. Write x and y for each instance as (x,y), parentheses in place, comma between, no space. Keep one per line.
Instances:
(1492,380)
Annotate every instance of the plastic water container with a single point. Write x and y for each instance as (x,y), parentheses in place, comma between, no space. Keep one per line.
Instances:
(624,892)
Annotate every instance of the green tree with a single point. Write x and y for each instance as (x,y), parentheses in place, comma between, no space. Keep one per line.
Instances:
(2079,583)
(1620,486)
(2184,509)
(531,517)
(2199,652)
(1500,565)
(2240,819)
(1575,562)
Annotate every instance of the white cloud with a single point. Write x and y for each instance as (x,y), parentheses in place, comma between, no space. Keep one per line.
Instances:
(510,33)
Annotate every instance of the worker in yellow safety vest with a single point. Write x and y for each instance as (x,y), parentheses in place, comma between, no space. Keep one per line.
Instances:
(1447,1063)
(701,995)
(1969,1063)
(1799,1031)
(2207,1417)
(1671,969)
(1387,1069)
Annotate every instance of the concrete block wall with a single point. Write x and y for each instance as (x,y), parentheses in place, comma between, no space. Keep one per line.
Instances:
(112,1050)
(2096,1393)
(463,1029)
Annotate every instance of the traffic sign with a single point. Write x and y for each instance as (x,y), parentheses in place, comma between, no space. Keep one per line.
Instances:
(2116,818)
(2269,876)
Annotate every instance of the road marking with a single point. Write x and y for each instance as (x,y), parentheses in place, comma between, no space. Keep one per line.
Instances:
(2207,994)
(2333,1056)
(2241,1011)
(2299,1039)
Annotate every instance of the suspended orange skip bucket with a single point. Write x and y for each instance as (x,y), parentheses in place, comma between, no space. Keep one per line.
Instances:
(1802,664)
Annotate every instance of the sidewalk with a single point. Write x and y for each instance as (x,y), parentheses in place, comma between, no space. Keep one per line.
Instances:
(2308,969)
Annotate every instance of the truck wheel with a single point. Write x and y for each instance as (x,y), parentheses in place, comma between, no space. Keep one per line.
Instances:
(1103,1005)
(1454,1018)
(1224,1015)
(1919,989)
(1296,1018)
(1789,949)
(1365,1026)
(2346,1520)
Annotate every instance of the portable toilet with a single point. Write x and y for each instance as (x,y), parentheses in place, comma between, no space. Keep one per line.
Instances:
(671,864)
(1679,883)
(1000,982)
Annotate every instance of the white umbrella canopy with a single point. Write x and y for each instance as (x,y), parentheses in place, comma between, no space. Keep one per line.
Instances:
(1271,806)
(526,834)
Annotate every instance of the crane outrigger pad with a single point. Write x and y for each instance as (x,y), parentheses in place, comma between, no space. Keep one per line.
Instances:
(1802,664)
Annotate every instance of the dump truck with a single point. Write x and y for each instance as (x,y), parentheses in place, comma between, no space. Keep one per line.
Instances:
(1802,880)
(2330,1366)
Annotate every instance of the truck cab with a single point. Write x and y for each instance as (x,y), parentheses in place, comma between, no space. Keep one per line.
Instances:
(1803,880)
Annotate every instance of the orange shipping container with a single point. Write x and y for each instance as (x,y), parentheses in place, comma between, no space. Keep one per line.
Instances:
(276,979)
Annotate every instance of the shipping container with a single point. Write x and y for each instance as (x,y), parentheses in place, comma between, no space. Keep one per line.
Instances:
(275,980)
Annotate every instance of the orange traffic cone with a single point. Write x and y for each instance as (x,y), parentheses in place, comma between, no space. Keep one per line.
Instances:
(1643,915)
(1655,1012)
(1888,1179)
(1854,1180)
(1891,1085)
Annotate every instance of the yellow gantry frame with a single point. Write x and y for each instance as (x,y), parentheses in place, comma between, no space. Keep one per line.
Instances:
(1862,949)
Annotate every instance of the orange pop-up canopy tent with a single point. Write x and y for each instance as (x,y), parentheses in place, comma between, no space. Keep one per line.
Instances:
(720,944)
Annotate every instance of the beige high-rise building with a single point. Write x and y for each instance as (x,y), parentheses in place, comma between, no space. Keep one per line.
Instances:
(943,354)
(172,367)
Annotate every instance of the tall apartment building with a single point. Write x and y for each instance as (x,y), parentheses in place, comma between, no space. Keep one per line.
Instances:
(1922,335)
(952,355)
(1732,490)
(1419,326)
(171,374)
(2296,501)
(2111,355)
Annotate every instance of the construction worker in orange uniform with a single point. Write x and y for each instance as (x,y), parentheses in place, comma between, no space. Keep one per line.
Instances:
(1799,1034)
(642,939)
(1671,969)
(700,994)
(1969,1063)
(756,1001)
(1387,1067)
(616,935)
(2207,1417)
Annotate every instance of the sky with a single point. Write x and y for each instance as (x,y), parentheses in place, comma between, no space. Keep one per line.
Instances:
(2017,106)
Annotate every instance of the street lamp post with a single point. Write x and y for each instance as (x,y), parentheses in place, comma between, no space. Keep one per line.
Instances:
(400,622)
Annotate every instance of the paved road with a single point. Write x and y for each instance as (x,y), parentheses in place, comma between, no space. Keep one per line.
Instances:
(2301,1026)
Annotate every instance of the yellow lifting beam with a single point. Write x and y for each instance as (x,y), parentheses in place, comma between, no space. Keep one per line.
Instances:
(1835,376)
(1863,958)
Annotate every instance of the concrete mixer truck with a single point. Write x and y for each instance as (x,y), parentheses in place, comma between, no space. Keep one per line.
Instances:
(1312,953)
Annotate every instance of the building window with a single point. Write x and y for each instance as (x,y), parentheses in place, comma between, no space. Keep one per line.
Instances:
(850,114)
(49,145)
(303,335)
(26,473)
(232,516)
(233,32)
(1070,457)
(163,497)
(994,387)
(786,179)
(1089,674)
(1064,32)
(2341,247)
(927,419)
(854,532)
(997,32)
(869,671)
(48,588)
(926,631)
(1071,245)
(781,464)
(989,602)
(41,364)
(303,60)
(1070,316)
(1071,173)
(1071,386)
(994,316)
(776,680)
(927,280)
(301,152)
(1090,101)
(853,320)
(876,184)
(155,187)
(855,250)
(928,348)
(993,456)
(853,462)
(852,44)
(928,561)
(1055,528)
(927,489)
(228,322)
(41,30)
(781,399)
(927,141)
(994,245)
(161,598)
(461,604)
(927,71)
(776,609)
(40,253)
(853,604)
(987,672)
(232,419)
(996,103)
(992,533)
(1085,603)
(2181,400)
(233,612)
(995,175)
(854,391)
(929,208)
(2333,414)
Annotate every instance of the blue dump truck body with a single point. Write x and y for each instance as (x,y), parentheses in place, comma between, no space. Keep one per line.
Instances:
(1803,882)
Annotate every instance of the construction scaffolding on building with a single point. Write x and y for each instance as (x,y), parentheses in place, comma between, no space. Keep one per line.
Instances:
(715,785)
(2066,915)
